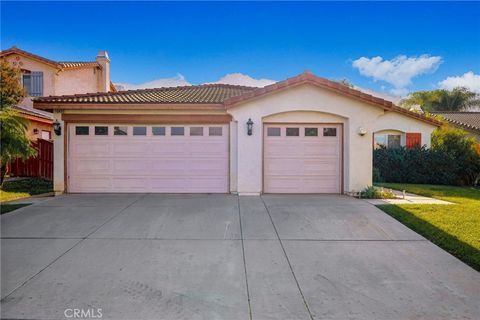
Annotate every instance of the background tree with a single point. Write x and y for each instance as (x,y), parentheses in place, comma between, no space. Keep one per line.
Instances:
(13,140)
(458,99)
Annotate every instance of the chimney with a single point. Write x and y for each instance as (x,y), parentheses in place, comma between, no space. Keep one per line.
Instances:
(104,61)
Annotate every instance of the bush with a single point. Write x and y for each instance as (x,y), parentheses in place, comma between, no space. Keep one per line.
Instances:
(374,193)
(452,160)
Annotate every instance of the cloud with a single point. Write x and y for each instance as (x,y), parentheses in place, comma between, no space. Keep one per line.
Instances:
(399,71)
(244,80)
(178,80)
(469,80)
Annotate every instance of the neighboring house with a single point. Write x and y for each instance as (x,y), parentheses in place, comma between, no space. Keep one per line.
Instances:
(45,77)
(302,135)
(468,121)
(39,122)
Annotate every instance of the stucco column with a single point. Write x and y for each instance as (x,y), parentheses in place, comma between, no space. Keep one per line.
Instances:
(58,156)
(233,156)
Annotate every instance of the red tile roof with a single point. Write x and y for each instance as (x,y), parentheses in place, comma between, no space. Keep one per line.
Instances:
(202,94)
(56,64)
(224,95)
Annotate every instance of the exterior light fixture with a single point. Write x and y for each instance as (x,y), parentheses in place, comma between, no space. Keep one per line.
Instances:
(249,126)
(362,131)
(57,127)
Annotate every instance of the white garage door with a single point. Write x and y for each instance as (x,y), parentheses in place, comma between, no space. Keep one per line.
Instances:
(148,158)
(302,158)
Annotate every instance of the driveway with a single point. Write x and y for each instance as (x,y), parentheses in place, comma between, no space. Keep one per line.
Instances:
(155,256)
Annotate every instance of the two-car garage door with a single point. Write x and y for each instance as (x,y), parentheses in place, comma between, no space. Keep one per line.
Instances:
(148,158)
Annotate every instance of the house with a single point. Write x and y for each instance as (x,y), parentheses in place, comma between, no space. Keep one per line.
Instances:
(305,134)
(44,77)
(466,120)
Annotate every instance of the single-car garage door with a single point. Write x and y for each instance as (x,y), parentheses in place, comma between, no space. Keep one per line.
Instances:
(148,158)
(302,158)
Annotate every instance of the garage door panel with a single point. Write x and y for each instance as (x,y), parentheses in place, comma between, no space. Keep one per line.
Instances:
(148,163)
(86,166)
(302,164)
(88,149)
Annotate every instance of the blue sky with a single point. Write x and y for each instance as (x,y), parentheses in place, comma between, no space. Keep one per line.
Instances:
(205,41)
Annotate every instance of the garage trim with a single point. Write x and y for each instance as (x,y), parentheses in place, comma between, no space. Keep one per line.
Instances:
(342,146)
(148,118)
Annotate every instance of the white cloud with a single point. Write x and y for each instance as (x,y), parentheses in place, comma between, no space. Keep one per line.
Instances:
(399,71)
(469,80)
(178,80)
(244,80)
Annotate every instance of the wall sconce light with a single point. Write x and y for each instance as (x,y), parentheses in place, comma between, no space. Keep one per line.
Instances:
(249,126)
(57,127)
(35,131)
(362,131)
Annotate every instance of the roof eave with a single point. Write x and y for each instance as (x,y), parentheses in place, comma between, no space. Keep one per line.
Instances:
(127,106)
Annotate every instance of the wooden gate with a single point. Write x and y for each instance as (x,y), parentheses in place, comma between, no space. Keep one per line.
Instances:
(40,166)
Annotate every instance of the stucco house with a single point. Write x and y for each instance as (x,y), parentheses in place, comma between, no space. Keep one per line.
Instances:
(305,134)
(44,77)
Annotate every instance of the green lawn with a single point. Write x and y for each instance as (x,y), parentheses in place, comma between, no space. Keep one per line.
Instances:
(455,228)
(5,208)
(18,189)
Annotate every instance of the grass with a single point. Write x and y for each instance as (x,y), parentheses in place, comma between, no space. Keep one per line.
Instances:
(455,228)
(5,208)
(17,189)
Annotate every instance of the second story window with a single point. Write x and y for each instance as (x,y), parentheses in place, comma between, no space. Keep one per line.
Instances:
(33,83)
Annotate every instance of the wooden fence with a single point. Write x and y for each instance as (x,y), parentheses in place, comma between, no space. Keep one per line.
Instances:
(40,166)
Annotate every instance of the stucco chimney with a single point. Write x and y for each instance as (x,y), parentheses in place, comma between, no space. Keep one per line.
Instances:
(104,61)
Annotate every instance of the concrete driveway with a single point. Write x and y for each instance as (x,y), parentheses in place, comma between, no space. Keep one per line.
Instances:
(210,257)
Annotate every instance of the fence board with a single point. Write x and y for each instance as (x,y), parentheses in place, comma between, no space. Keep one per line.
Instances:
(40,166)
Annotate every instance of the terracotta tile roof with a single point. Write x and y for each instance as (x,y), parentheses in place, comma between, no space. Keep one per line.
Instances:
(222,94)
(207,93)
(78,64)
(55,64)
(469,119)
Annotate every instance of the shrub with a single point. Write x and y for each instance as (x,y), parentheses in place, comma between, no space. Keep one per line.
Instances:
(374,193)
(452,160)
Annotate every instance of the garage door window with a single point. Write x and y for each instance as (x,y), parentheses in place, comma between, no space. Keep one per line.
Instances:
(293,132)
(273,132)
(119,131)
(82,131)
(139,131)
(177,131)
(196,131)
(215,131)
(329,132)
(311,132)
(101,131)
(158,131)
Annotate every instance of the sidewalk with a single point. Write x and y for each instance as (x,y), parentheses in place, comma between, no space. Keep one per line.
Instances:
(409,198)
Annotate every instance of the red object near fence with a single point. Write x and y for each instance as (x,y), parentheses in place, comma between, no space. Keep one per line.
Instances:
(40,166)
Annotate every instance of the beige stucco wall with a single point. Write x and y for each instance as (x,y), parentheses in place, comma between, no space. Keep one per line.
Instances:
(316,105)
(58,156)
(396,121)
(77,81)
(33,65)
(55,82)
(32,125)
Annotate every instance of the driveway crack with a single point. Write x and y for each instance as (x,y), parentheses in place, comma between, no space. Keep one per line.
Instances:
(288,260)
(244,260)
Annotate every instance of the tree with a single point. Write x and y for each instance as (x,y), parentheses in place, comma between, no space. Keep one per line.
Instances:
(458,99)
(13,140)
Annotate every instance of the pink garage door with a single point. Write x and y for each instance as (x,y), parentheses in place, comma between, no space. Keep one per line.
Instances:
(302,158)
(148,158)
